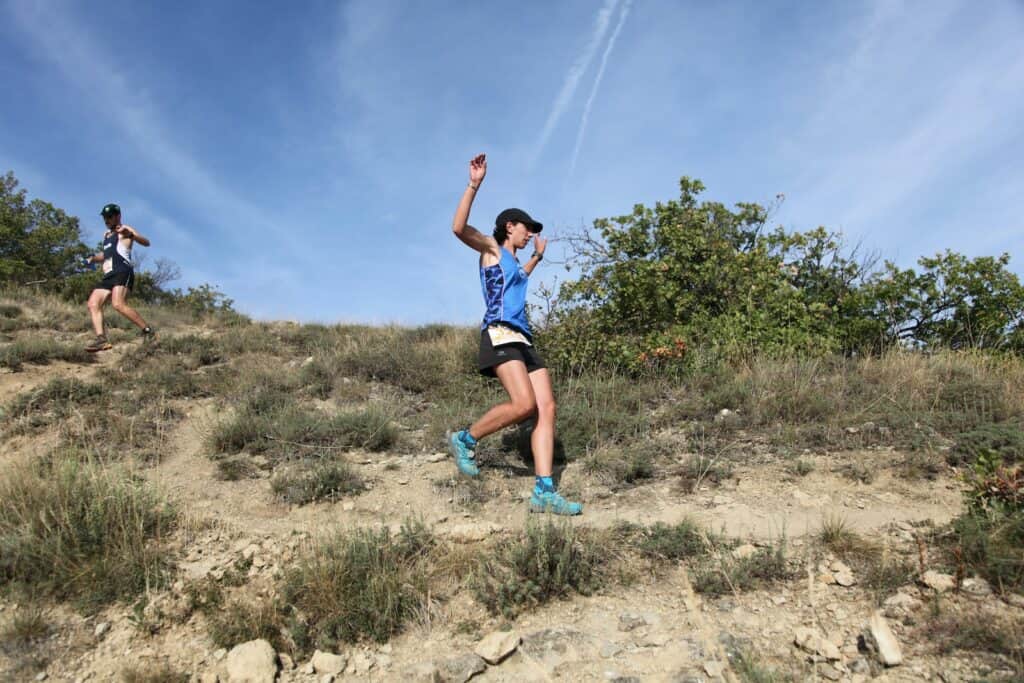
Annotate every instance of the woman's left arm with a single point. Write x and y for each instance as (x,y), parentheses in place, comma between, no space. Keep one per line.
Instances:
(539,245)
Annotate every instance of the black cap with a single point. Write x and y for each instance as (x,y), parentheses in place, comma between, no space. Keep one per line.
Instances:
(517,216)
(111,210)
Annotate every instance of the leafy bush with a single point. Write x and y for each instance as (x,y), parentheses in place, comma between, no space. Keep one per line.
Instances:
(546,561)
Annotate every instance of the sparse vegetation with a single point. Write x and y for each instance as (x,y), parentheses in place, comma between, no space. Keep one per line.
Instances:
(77,530)
(24,628)
(680,541)
(699,470)
(155,673)
(267,422)
(361,584)
(41,351)
(320,479)
(547,560)
(724,574)
(1002,441)
(240,621)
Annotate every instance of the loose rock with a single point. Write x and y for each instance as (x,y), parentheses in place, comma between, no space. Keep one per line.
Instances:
(328,663)
(252,662)
(938,582)
(460,669)
(813,643)
(886,647)
(497,645)
(629,621)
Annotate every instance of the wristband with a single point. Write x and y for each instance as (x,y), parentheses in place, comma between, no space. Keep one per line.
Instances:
(539,256)
(475,187)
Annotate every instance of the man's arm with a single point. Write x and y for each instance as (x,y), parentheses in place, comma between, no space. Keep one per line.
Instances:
(539,245)
(133,234)
(469,235)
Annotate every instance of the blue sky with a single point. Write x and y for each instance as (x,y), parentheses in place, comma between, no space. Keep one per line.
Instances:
(307,158)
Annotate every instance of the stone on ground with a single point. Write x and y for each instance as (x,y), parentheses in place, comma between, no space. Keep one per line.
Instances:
(938,582)
(328,663)
(252,662)
(460,669)
(886,646)
(497,645)
(813,643)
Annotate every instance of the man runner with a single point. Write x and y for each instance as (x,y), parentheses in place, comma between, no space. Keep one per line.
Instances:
(506,344)
(118,276)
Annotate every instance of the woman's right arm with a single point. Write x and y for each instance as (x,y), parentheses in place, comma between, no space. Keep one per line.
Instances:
(469,235)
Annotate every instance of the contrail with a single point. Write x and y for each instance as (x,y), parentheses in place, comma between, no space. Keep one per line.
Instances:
(572,79)
(597,84)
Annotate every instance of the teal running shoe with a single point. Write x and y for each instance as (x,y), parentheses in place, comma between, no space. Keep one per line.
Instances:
(551,501)
(465,459)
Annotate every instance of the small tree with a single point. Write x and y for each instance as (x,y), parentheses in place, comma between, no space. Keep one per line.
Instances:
(38,241)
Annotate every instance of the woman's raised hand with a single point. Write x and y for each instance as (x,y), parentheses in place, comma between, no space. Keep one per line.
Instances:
(477,169)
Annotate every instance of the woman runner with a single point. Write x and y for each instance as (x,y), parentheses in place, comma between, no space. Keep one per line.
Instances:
(506,344)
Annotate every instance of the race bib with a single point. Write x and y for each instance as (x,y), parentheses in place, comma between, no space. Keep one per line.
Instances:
(501,335)
(108,265)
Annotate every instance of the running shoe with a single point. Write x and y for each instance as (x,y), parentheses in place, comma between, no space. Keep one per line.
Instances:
(99,344)
(553,502)
(465,459)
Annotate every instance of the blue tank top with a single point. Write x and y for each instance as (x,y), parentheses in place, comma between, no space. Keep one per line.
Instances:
(504,288)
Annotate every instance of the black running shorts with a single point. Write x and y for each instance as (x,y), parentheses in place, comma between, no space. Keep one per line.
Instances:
(118,278)
(491,357)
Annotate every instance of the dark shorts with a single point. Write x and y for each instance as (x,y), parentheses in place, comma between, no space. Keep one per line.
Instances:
(118,278)
(491,357)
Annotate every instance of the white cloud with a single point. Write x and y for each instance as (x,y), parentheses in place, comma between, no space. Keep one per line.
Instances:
(572,78)
(597,84)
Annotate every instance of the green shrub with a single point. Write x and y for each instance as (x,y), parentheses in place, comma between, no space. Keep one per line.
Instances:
(674,542)
(241,621)
(546,561)
(10,311)
(362,584)
(991,544)
(322,479)
(1005,441)
(24,628)
(76,530)
(726,574)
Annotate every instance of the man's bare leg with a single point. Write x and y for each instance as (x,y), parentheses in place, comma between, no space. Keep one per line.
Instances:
(119,297)
(97,300)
